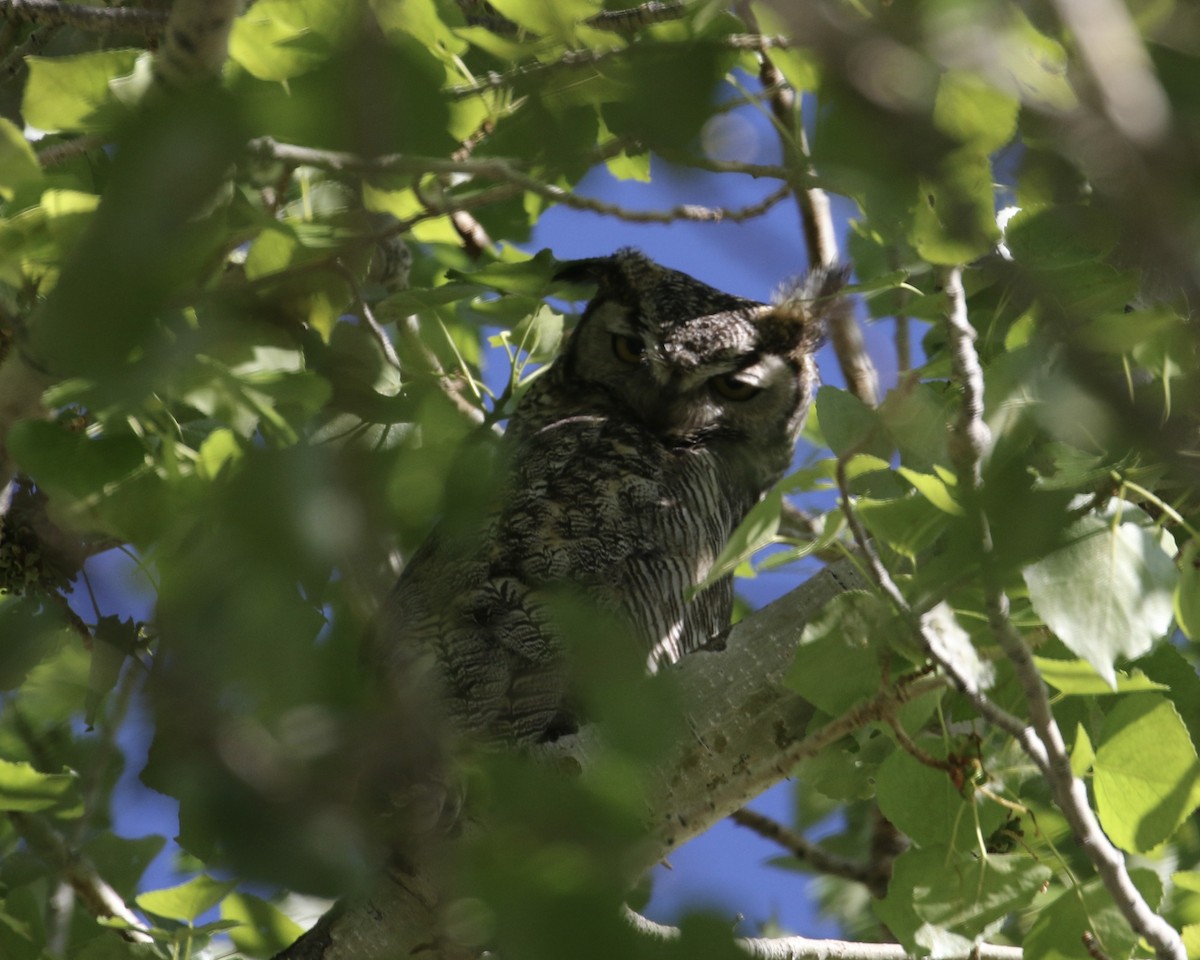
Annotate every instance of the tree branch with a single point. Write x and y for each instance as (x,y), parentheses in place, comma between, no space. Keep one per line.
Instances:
(804,948)
(98,897)
(969,440)
(816,220)
(150,23)
(802,848)
(492,168)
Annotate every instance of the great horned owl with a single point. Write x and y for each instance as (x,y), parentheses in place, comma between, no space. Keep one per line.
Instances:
(670,411)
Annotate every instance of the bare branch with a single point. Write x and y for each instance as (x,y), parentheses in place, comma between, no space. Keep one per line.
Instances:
(817,221)
(493,168)
(645,15)
(801,847)
(98,897)
(804,948)
(11,65)
(970,438)
(919,625)
(64,150)
(150,23)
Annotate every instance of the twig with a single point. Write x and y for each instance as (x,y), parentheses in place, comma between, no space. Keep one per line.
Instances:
(1001,718)
(494,168)
(968,444)
(756,170)
(804,948)
(60,152)
(98,19)
(11,65)
(575,59)
(100,899)
(803,848)
(816,220)
(645,15)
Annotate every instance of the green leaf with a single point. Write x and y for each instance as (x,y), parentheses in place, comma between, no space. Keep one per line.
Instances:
(1059,236)
(69,461)
(1083,755)
(973,111)
(954,219)
(847,423)
(923,803)
(263,928)
(682,78)
(550,18)
(278,39)
(114,640)
(18,163)
(934,489)
(1146,774)
(1108,593)
(1056,931)
(121,860)
(908,525)
(1079,678)
(26,790)
(835,665)
(935,891)
(756,531)
(187,901)
(72,93)
(1187,591)
(218,449)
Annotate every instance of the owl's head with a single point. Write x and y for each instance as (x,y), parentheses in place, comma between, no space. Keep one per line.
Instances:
(695,365)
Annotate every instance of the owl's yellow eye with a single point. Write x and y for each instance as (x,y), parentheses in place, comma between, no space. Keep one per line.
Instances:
(732,387)
(628,349)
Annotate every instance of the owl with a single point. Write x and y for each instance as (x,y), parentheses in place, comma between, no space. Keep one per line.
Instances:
(669,412)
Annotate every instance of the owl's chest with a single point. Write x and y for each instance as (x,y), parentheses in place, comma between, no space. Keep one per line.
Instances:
(588,495)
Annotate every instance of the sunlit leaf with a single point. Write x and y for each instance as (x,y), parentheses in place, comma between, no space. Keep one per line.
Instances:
(263,928)
(1108,593)
(188,900)
(26,790)
(837,662)
(1147,776)
(72,93)
(1079,678)
(18,163)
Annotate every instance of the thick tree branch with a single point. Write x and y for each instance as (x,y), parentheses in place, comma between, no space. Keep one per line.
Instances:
(150,23)
(745,732)
(969,441)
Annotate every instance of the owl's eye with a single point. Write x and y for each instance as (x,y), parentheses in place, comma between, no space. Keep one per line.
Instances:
(732,387)
(628,349)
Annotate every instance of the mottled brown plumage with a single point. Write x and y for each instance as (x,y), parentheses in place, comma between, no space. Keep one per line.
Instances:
(670,411)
